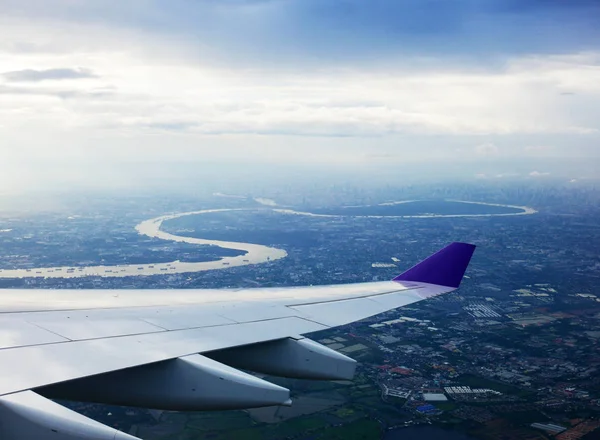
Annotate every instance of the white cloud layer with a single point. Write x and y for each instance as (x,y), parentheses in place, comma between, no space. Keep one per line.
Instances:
(81,93)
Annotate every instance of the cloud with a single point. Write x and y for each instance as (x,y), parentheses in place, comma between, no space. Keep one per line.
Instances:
(299,80)
(56,93)
(487,149)
(538,174)
(32,75)
(142,94)
(309,116)
(496,176)
(170,126)
(539,150)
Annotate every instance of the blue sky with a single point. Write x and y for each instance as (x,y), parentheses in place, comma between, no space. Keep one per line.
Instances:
(99,83)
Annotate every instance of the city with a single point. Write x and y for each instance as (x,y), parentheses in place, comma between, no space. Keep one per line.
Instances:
(512,354)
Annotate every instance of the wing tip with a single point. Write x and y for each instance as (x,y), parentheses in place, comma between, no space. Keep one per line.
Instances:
(445,268)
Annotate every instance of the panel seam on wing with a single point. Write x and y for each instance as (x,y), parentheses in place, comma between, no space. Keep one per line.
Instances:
(153,324)
(49,331)
(119,307)
(370,295)
(159,332)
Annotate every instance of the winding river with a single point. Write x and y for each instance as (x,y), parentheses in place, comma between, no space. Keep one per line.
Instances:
(255,253)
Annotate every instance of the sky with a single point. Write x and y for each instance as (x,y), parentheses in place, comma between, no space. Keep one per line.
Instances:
(106,92)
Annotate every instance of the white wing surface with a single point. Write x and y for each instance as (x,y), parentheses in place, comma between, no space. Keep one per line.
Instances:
(181,349)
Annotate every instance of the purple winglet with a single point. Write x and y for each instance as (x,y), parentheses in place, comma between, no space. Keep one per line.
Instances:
(444,268)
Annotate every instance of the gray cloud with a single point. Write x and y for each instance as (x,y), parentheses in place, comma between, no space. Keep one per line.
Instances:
(169,126)
(56,93)
(31,75)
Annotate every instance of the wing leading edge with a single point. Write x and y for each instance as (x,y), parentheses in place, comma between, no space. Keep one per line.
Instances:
(181,349)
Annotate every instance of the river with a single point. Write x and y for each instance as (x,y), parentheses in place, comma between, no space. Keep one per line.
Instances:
(255,253)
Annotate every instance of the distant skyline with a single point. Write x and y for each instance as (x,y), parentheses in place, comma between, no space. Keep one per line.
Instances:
(488,88)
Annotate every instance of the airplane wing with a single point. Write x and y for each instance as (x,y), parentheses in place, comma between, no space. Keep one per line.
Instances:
(181,349)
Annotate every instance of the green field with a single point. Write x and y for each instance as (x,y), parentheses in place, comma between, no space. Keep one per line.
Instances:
(344,412)
(294,427)
(290,428)
(361,429)
(445,406)
(219,421)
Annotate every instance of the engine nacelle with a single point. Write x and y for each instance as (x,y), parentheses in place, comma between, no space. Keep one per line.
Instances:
(298,358)
(28,415)
(190,383)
